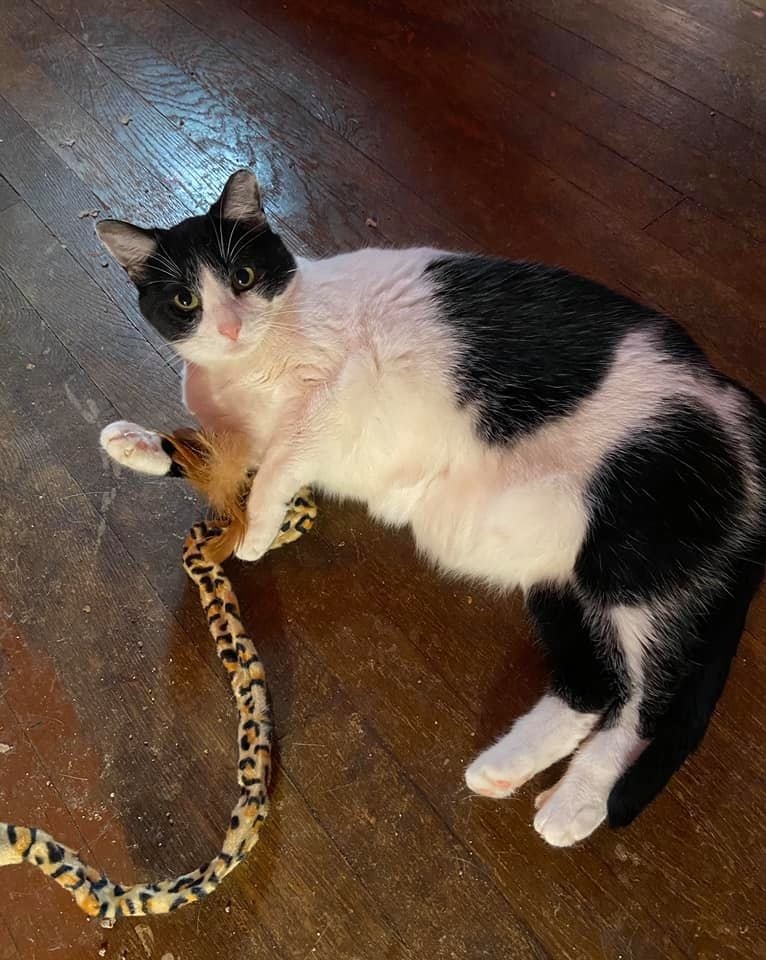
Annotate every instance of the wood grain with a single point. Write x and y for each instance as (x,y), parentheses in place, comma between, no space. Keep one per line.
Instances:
(667,53)
(718,246)
(688,119)
(646,170)
(164,727)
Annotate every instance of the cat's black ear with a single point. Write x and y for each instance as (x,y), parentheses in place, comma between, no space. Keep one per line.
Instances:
(130,246)
(241,199)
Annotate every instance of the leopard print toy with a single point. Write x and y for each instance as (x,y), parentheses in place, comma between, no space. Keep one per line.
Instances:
(93,891)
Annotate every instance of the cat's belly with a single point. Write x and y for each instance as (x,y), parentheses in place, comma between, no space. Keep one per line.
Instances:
(513,537)
(474,523)
(505,514)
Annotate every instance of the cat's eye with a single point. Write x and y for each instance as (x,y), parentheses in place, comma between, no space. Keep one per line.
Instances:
(186,300)
(243,278)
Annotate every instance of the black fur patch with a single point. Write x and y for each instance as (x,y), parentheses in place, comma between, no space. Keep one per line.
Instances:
(536,340)
(678,727)
(660,507)
(201,240)
(588,672)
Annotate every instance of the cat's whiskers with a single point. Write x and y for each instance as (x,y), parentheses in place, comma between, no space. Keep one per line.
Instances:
(166,266)
(220,234)
(166,270)
(217,231)
(227,258)
(152,357)
(166,349)
(160,283)
(260,227)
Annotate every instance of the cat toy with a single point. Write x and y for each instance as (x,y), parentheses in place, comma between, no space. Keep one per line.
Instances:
(214,465)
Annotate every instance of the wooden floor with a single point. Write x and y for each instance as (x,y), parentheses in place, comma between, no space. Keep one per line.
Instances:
(623,138)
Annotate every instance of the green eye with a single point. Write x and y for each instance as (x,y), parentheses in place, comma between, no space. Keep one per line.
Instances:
(186,300)
(243,278)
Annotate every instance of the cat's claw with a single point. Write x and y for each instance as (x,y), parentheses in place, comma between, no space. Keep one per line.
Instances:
(135,447)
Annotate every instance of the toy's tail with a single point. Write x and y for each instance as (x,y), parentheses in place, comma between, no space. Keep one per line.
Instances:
(215,465)
(95,893)
(684,724)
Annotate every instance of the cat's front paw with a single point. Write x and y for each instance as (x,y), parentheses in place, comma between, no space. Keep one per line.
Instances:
(257,542)
(133,446)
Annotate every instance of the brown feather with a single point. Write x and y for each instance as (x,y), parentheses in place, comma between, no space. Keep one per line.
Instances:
(217,466)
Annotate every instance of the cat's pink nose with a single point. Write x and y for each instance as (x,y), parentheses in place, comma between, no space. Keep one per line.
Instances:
(230,327)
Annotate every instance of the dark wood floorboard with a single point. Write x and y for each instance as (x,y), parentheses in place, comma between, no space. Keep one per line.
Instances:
(738,19)
(648,35)
(622,138)
(526,222)
(688,119)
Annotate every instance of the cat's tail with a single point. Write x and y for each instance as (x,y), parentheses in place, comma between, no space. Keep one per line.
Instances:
(686,719)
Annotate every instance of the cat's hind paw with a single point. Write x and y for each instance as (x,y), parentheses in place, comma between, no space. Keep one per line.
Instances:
(135,447)
(496,774)
(569,812)
(550,731)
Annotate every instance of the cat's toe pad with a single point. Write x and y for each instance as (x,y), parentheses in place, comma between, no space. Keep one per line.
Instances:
(569,813)
(133,446)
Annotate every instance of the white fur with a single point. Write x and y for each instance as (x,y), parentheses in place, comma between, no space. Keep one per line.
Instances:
(356,340)
(344,382)
(578,803)
(550,731)
(134,447)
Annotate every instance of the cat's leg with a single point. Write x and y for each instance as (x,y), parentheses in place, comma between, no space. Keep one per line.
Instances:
(137,448)
(577,804)
(551,730)
(286,466)
(586,682)
(274,486)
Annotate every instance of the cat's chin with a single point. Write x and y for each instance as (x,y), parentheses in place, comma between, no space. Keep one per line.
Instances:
(205,353)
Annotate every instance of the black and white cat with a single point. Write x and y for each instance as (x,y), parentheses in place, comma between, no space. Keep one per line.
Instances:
(534,430)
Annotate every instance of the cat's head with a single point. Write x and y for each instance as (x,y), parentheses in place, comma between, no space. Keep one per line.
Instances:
(209,283)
